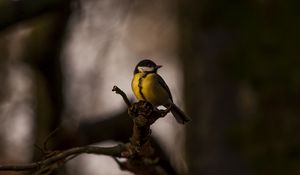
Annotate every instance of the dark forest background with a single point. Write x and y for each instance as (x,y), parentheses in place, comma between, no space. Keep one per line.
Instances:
(238,61)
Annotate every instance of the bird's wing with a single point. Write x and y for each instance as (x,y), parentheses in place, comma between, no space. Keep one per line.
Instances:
(164,85)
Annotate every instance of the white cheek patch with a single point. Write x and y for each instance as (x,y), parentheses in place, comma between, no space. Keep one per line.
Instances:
(145,69)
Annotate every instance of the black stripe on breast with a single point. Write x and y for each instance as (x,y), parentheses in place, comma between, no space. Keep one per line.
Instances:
(140,85)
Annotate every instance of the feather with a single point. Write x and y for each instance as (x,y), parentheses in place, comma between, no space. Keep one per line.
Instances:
(179,114)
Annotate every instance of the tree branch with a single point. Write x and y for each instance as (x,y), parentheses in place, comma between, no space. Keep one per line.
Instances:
(117,90)
(139,152)
(62,156)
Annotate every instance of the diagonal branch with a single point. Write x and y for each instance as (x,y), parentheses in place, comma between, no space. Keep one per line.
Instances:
(124,96)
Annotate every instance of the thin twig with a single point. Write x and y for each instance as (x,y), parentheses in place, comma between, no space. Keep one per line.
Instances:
(125,98)
(47,139)
(39,148)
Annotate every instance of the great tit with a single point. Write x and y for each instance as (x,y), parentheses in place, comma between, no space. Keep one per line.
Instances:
(147,85)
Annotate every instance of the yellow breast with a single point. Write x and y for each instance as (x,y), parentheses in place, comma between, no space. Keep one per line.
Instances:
(135,86)
(147,87)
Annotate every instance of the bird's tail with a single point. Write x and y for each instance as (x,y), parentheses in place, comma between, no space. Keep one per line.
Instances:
(179,114)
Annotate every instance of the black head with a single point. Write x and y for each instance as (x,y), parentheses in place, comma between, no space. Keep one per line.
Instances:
(147,66)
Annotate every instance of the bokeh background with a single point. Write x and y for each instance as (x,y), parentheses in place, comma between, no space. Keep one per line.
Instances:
(233,66)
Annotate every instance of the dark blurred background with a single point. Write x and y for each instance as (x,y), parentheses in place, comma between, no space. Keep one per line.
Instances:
(233,66)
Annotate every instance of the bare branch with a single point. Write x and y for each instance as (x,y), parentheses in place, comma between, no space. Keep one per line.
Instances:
(139,153)
(47,139)
(125,98)
(63,155)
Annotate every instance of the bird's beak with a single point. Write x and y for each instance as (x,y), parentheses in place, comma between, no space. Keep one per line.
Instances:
(158,66)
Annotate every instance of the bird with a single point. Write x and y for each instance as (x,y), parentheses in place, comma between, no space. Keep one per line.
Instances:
(148,85)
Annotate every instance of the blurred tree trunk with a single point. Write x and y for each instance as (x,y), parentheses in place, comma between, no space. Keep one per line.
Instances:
(43,48)
(43,54)
(3,78)
(12,12)
(228,45)
(206,42)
